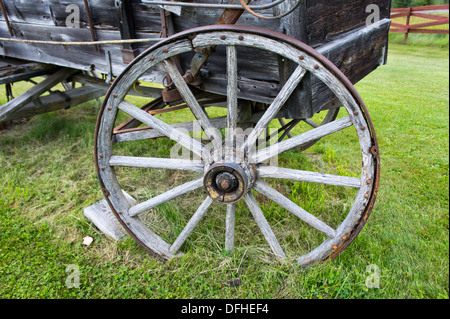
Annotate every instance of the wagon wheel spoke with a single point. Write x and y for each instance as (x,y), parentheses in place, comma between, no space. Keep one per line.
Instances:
(304,138)
(151,162)
(169,195)
(232,100)
(229,227)
(277,197)
(174,134)
(150,133)
(306,176)
(211,132)
(276,105)
(264,225)
(198,215)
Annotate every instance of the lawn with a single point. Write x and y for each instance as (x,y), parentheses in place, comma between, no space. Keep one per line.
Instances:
(47,177)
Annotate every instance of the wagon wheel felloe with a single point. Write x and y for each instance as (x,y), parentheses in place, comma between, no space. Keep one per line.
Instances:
(235,174)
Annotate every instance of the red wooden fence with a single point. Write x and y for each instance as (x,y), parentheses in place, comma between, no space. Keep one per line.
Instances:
(419,12)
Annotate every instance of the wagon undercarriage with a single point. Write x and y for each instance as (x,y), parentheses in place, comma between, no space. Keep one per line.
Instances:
(256,95)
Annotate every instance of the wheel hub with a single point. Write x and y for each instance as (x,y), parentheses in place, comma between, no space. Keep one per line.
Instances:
(226,183)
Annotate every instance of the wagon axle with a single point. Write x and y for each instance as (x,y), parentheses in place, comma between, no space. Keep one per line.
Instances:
(226,183)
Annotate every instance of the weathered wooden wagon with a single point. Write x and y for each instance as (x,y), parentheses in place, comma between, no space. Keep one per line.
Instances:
(259,80)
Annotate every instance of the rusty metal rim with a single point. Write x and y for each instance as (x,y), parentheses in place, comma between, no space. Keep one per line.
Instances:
(190,34)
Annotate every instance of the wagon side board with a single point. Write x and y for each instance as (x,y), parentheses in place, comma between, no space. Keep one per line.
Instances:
(338,28)
(356,54)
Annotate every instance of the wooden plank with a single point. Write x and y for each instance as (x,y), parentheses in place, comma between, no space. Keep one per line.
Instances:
(54,101)
(16,104)
(137,90)
(399,15)
(431,8)
(356,54)
(24,68)
(327,19)
(103,13)
(427,16)
(429,24)
(81,57)
(299,104)
(102,217)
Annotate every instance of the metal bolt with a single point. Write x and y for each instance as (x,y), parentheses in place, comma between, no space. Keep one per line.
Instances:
(241,37)
(225,184)
(344,237)
(316,66)
(165,50)
(356,113)
(103,168)
(334,247)
(109,108)
(188,77)
(101,155)
(152,58)
(368,181)
(223,37)
(115,95)
(366,195)
(128,223)
(120,213)
(363,128)
(302,57)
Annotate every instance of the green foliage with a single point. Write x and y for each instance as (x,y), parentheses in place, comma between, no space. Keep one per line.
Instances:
(416,3)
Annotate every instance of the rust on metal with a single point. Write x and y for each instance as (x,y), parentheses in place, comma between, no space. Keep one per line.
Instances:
(226,183)
(170,94)
(373,150)
(170,109)
(229,17)
(90,22)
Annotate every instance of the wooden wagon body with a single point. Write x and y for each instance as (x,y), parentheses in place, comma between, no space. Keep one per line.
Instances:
(263,61)
(342,30)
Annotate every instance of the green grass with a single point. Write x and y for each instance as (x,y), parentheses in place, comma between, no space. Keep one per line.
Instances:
(47,177)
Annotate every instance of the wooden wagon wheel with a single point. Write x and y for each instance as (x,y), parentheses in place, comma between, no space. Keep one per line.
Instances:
(234,175)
